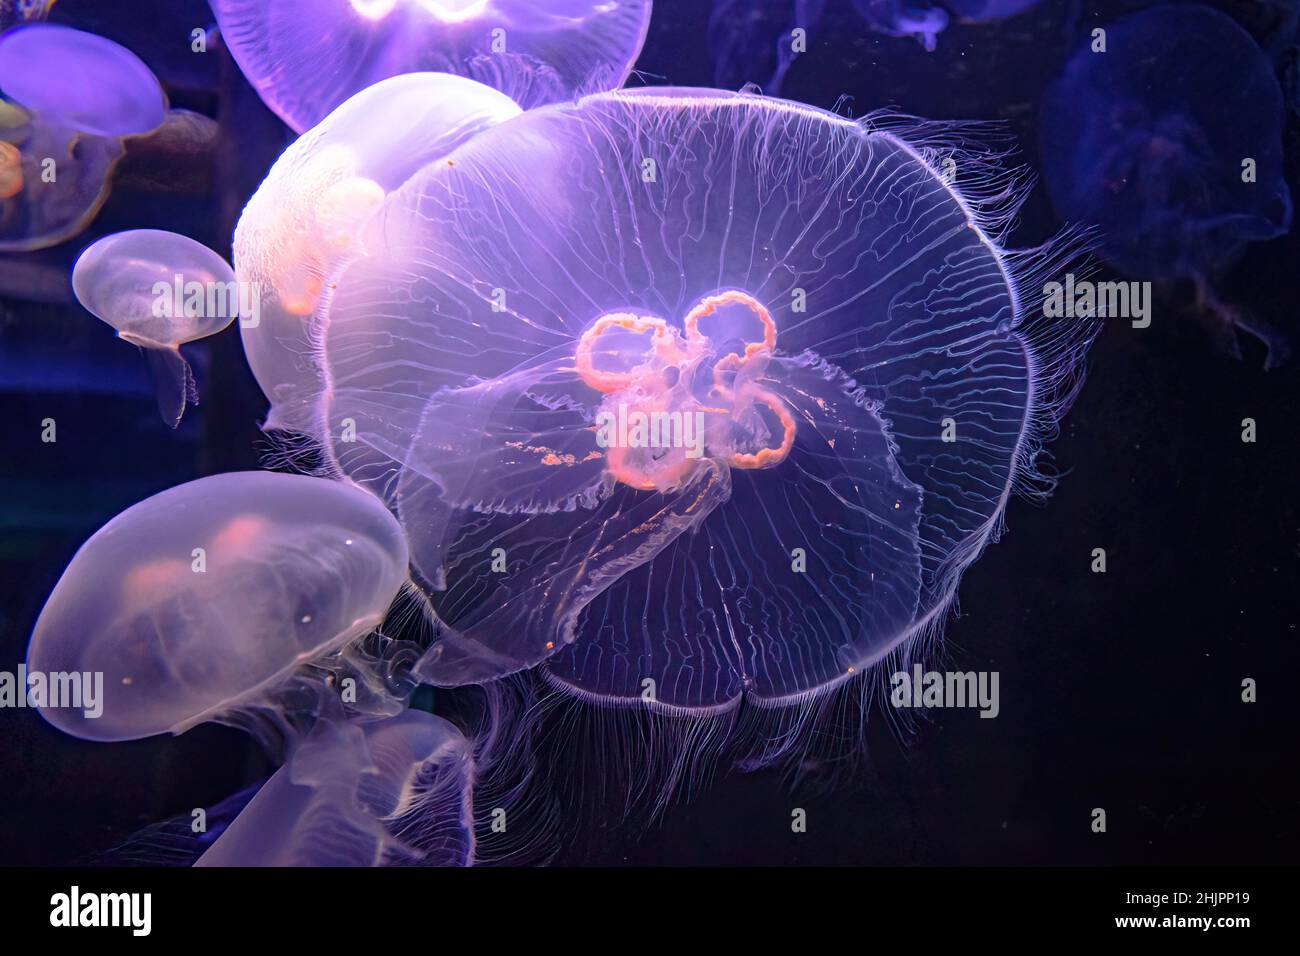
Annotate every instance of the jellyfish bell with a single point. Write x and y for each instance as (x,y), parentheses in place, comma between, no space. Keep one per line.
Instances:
(307,59)
(388,792)
(308,215)
(205,601)
(160,290)
(1170,145)
(658,384)
(79,81)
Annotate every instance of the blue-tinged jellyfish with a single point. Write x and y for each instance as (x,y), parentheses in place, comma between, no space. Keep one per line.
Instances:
(69,99)
(395,792)
(231,598)
(756,43)
(690,397)
(1169,144)
(159,290)
(305,57)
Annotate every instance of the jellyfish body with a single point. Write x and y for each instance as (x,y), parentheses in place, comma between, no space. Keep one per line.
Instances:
(69,99)
(79,81)
(306,217)
(159,290)
(198,603)
(306,59)
(1169,143)
(658,384)
(52,180)
(390,792)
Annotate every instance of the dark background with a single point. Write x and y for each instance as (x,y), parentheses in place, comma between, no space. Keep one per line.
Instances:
(1118,690)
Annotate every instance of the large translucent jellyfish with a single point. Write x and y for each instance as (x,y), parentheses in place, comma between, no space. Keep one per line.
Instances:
(204,601)
(1169,143)
(159,290)
(306,216)
(690,396)
(389,792)
(78,81)
(305,59)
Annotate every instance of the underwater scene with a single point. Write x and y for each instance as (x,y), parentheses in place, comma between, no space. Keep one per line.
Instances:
(647,433)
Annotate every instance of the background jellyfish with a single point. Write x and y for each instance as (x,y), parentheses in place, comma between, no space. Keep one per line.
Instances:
(807,288)
(69,98)
(389,792)
(76,80)
(204,601)
(307,58)
(307,215)
(1150,142)
(159,290)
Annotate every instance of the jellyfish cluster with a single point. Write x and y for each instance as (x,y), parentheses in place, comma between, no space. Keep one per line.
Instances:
(665,400)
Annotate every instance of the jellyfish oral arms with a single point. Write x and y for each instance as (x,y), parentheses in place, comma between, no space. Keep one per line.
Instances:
(658,384)
(306,59)
(390,792)
(1170,144)
(160,290)
(200,602)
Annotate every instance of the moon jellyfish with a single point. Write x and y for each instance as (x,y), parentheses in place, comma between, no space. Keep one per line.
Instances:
(79,81)
(307,215)
(389,792)
(1170,144)
(307,58)
(204,601)
(159,290)
(69,98)
(691,397)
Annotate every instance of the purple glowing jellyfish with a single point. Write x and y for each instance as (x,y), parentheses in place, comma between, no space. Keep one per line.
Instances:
(159,290)
(1164,132)
(79,81)
(307,58)
(690,396)
(208,599)
(389,792)
(69,99)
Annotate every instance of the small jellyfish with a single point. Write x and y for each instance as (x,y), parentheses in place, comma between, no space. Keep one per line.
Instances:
(304,220)
(926,19)
(1164,133)
(394,792)
(79,81)
(307,58)
(691,397)
(757,43)
(159,290)
(205,601)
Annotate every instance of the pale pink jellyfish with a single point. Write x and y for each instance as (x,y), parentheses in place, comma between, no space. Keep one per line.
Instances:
(214,600)
(305,58)
(159,290)
(305,219)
